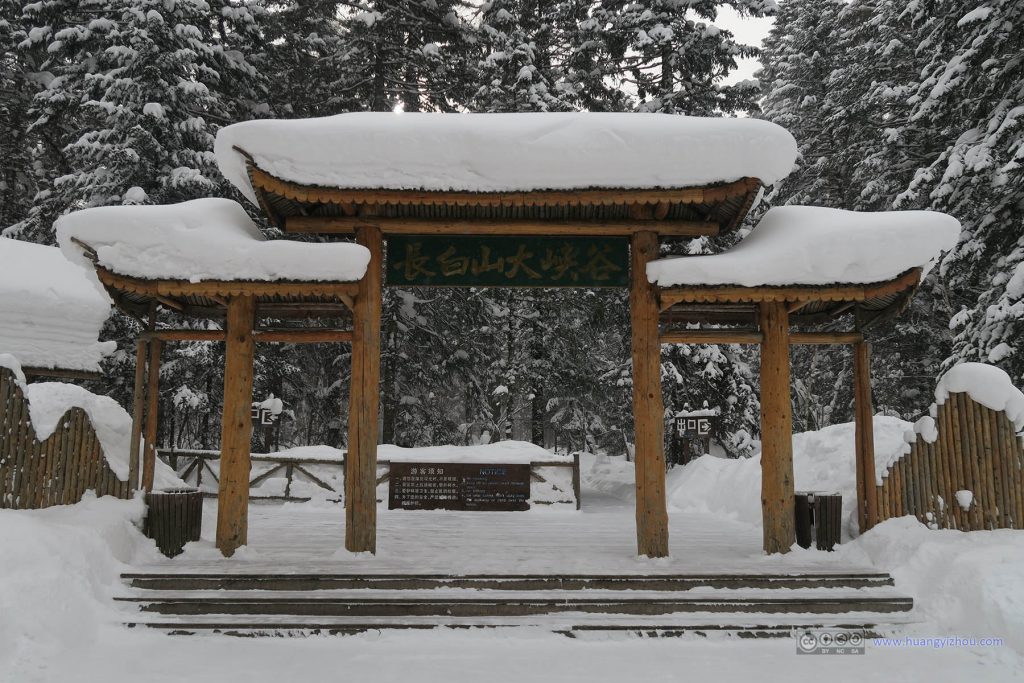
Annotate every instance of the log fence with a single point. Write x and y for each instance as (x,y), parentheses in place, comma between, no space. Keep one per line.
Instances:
(55,471)
(968,476)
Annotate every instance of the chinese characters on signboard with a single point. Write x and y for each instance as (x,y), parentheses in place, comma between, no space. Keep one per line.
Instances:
(458,486)
(511,261)
(694,427)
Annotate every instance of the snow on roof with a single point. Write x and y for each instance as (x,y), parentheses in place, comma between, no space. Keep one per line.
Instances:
(506,152)
(812,245)
(986,384)
(501,452)
(50,313)
(203,239)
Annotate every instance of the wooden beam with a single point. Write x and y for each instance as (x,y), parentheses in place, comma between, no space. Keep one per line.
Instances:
(178,335)
(221,289)
(648,408)
(792,295)
(826,338)
(304,335)
(236,427)
(138,410)
(350,199)
(724,336)
(777,494)
(60,373)
(364,400)
(459,226)
(867,500)
(313,335)
(152,415)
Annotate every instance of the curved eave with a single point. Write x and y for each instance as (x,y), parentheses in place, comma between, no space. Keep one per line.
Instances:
(208,299)
(808,305)
(683,212)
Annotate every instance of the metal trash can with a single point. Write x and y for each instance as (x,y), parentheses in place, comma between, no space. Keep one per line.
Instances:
(819,519)
(173,518)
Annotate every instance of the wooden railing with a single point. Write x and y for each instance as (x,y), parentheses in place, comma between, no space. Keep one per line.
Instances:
(55,471)
(200,468)
(974,449)
(196,467)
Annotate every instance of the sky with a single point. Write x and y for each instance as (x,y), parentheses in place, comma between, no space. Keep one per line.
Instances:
(746,30)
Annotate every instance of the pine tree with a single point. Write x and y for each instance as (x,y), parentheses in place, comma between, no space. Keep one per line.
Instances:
(17,84)
(519,71)
(971,98)
(668,53)
(138,92)
(414,55)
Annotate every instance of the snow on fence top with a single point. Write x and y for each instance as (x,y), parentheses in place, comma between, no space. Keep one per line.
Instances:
(986,384)
(506,152)
(812,245)
(203,239)
(502,452)
(50,314)
(49,401)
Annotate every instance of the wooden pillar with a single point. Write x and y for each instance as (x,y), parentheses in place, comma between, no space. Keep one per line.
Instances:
(777,495)
(152,415)
(138,408)
(364,400)
(648,409)
(236,427)
(867,493)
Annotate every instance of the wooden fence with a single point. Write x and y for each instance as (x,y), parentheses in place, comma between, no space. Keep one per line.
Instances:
(55,471)
(975,449)
(202,469)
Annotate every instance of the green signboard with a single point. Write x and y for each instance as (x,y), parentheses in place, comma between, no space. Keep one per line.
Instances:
(508,261)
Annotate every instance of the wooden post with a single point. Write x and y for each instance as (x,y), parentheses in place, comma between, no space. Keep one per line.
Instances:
(364,399)
(867,503)
(152,415)
(138,408)
(777,494)
(648,409)
(236,427)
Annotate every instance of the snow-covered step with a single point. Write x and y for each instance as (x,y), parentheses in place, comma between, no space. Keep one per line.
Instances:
(668,582)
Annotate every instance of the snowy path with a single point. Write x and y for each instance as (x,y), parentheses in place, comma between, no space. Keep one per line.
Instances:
(600,539)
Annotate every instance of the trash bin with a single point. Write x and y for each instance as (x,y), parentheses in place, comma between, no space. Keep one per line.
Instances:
(173,518)
(818,519)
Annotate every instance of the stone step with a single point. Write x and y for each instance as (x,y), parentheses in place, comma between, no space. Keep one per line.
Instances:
(589,626)
(514,607)
(647,582)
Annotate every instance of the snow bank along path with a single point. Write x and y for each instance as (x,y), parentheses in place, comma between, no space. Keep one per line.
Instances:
(812,245)
(50,314)
(506,152)
(48,401)
(203,239)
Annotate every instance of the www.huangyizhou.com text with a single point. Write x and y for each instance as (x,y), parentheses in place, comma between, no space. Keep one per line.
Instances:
(936,643)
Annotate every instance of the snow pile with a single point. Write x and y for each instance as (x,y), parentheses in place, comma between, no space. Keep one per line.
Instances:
(60,572)
(203,239)
(823,461)
(986,384)
(506,152)
(504,452)
(966,584)
(812,245)
(50,314)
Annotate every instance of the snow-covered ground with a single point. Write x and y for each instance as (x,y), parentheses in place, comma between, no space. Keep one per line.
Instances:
(57,622)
